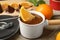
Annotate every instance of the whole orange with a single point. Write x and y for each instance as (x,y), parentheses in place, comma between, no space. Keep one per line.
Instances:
(46,10)
(58,36)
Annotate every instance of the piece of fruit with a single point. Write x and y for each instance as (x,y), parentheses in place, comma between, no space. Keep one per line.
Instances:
(5,6)
(58,36)
(26,15)
(46,10)
(15,5)
(26,4)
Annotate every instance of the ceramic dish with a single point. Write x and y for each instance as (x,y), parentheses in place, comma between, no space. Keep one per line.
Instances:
(6,33)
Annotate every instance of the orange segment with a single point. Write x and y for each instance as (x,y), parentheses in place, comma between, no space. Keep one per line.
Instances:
(5,6)
(15,5)
(26,15)
(58,36)
(26,4)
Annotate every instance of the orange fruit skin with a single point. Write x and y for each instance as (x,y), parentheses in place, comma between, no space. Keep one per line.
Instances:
(58,36)
(46,10)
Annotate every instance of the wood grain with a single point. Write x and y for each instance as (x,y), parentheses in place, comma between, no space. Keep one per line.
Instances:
(54,22)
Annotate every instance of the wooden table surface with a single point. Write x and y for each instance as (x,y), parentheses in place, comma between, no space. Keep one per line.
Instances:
(51,34)
(47,35)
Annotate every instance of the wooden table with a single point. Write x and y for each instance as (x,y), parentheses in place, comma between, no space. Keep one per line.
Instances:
(47,34)
(50,36)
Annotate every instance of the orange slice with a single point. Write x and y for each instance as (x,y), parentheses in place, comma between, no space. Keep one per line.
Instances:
(5,6)
(15,5)
(58,36)
(26,4)
(26,15)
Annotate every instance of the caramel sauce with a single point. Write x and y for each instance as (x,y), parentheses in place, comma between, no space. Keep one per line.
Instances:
(10,9)
(19,6)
